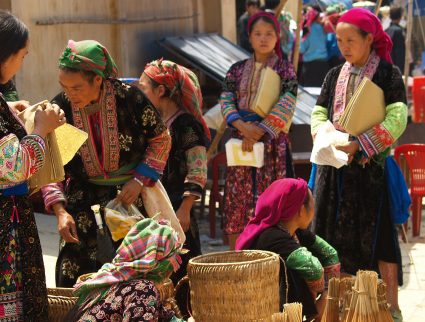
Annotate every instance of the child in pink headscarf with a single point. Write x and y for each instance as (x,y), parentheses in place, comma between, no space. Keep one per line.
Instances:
(282,215)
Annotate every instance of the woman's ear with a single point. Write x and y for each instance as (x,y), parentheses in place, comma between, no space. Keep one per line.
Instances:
(98,80)
(161,91)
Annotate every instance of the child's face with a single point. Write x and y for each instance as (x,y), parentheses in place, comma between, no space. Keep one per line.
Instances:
(263,37)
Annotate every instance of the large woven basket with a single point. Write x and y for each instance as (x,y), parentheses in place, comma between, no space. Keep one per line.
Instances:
(234,286)
(61,300)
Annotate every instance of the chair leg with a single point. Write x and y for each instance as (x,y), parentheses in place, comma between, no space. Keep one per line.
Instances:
(211,214)
(416,215)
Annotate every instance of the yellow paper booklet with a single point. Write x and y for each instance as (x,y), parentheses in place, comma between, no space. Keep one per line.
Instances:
(236,157)
(365,109)
(61,146)
(267,93)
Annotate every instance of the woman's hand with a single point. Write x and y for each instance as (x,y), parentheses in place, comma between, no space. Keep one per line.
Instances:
(183,213)
(248,144)
(130,192)
(66,224)
(350,148)
(48,118)
(252,131)
(18,106)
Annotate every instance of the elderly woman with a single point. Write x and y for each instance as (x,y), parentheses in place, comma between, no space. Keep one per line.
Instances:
(352,202)
(127,148)
(125,290)
(23,295)
(283,213)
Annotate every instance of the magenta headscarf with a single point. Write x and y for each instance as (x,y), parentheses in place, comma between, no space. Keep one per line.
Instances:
(253,18)
(368,22)
(280,201)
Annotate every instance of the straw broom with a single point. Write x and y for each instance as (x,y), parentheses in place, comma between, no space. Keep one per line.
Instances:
(294,312)
(364,304)
(384,312)
(331,313)
(345,294)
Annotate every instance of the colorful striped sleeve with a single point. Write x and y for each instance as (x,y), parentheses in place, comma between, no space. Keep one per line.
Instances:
(196,177)
(154,159)
(52,194)
(20,160)
(228,97)
(383,135)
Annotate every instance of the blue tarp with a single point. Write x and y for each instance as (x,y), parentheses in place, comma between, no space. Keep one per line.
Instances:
(418,7)
(325,3)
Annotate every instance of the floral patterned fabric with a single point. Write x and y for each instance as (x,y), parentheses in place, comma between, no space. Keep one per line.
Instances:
(133,137)
(23,293)
(352,202)
(137,300)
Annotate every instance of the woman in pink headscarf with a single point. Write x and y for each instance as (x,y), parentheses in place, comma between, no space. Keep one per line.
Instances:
(282,215)
(352,203)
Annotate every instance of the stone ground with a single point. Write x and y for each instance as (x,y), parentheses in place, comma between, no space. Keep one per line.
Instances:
(411,296)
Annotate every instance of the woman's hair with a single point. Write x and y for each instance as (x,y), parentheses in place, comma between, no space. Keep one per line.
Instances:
(307,199)
(167,92)
(13,35)
(265,19)
(87,74)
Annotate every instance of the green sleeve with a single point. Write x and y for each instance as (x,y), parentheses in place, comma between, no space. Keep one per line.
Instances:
(319,115)
(307,265)
(326,254)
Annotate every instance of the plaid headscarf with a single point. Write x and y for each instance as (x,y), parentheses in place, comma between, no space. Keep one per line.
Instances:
(149,251)
(179,79)
(89,55)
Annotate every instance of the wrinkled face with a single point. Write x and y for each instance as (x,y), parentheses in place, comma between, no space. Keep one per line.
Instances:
(153,94)
(307,213)
(12,64)
(263,37)
(353,45)
(80,91)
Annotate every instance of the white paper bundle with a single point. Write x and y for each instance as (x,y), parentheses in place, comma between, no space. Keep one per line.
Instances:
(237,157)
(324,151)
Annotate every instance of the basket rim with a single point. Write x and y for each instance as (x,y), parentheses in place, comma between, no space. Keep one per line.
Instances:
(194,260)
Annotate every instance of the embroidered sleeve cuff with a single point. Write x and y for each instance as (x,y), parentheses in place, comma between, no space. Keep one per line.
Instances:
(266,126)
(194,189)
(52,194)
(232,117)
(143,170)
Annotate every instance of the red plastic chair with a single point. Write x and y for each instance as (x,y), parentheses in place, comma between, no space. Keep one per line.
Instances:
(219,160)
(414,154)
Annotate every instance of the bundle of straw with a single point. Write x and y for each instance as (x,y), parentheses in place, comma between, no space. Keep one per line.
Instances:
(345,294)
(384,312)
(364,304)
(331,313)
(280,317)
(294,312)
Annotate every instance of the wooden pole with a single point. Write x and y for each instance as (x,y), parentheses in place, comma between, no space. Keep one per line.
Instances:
(408,42)
(298,36)
(378,6)
(279,8)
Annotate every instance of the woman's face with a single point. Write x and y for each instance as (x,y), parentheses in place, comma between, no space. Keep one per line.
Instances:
(263,37)
(353,45)
(80,91)
(307,213)
(12,64)
(153,95)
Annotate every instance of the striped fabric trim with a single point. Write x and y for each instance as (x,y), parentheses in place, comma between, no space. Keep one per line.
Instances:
(228,107)
(156,154)
(280,115)
(52,194)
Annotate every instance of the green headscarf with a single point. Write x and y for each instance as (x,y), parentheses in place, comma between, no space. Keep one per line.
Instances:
(89,55)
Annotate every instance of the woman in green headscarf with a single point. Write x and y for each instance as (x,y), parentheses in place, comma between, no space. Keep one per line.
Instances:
(127,148)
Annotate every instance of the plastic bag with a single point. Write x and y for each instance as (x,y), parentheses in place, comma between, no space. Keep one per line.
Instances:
(121,218)
(158,206)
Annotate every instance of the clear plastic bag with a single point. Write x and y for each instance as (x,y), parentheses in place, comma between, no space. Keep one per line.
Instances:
(121,218)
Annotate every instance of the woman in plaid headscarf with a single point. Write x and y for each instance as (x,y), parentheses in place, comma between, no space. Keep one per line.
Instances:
(127,148)
(174,90)
(125,289)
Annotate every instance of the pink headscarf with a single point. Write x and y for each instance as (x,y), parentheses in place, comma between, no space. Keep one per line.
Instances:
(368,22)
(253,18)
(280,201)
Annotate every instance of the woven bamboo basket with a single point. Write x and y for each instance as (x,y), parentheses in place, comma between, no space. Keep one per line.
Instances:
(61,300)
(234,286)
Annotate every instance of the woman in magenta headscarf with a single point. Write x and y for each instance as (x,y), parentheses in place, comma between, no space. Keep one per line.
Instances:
(282,215)
(352,204)
(245,184)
